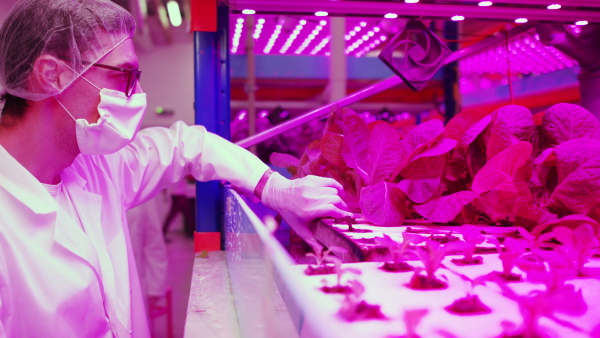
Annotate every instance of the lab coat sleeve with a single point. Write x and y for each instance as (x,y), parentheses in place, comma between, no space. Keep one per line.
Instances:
(159,157)
(5,306)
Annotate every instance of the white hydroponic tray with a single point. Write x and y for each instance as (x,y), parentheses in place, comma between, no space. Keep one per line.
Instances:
(389,291)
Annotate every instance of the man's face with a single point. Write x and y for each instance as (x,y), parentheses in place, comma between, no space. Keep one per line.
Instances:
(82,99)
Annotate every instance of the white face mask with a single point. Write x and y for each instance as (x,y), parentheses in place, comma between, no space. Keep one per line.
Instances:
(120,119)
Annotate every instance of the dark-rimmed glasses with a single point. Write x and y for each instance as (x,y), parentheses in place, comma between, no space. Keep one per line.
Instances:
(133,76)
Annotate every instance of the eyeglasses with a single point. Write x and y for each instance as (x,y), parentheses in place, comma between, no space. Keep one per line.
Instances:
(133,76)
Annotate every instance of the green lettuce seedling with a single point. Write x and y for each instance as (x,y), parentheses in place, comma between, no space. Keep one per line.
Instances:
(560,299)
(470,304)
(397,251)
(355,308)
(431,255)
(322,258)
(508,254)
(576,244)
(339,271)
(471,237)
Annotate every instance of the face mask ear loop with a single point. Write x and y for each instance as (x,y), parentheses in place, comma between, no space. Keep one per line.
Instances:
(88,81)
(81,75)
(65,109)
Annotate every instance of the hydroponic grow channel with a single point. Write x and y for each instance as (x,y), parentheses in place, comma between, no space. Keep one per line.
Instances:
(467,281)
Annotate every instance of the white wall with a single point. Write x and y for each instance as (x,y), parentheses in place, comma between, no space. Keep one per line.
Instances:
(5,7)
(168,80)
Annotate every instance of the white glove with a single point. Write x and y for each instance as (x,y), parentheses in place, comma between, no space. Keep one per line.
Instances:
(303,200)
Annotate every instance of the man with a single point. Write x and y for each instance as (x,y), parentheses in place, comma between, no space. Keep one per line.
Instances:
(72,163)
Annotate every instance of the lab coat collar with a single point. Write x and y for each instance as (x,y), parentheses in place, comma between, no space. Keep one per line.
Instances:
(20,183)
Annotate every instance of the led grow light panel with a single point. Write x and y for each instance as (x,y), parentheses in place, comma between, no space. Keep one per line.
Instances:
(521,56)
(305,35)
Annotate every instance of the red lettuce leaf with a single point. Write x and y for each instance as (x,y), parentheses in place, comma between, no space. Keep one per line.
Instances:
(425,167)
(417,139)
(571,154)
(446,208)
(420,190)
(501,172)
(459,124)
(382,158)
(498,205)
(429,162)
(564,121)
(355,150)
(570,221)
(579,192)
(382,204)
(510,124)
(331,148)
(335,122)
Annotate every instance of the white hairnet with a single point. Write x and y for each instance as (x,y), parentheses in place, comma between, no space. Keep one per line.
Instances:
(78,32)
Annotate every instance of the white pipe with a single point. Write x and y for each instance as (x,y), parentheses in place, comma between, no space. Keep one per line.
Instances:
(311,105)
(338,72)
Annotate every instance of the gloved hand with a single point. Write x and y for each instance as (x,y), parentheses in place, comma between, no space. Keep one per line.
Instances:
(303,200)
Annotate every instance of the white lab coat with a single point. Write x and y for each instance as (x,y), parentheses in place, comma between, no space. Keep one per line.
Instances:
(45,283)
(149,248)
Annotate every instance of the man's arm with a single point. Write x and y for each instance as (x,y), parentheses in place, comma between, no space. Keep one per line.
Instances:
(160,157)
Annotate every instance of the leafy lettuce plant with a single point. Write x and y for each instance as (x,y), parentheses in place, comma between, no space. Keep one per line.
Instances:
(471,237)
(339,271)
(535,238)
(355,308)
(431,255)
(412,318)
(576,244)
(321,259)
(509,252)
(550,268)
(397,251)
(470,304)
(507,167)
(562,299)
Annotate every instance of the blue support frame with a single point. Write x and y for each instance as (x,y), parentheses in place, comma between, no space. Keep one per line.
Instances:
(451,73)
(212,110)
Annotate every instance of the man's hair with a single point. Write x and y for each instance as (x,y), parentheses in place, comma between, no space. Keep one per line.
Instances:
(14,108)
(79,32)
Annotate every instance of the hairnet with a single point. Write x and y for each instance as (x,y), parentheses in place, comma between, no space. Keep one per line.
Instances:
(78,32)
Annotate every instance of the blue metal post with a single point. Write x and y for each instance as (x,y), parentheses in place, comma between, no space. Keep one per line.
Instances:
(451,73)
(211,106)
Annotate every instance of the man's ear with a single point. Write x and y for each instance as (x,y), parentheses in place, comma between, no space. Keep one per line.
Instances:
(51,74)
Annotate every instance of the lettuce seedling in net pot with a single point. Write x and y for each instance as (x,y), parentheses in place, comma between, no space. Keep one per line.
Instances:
(576,244)
(558,298)
(508,254)
(355,308)
(471,237)
(469,304)
(322,258)
(431,255)
(397,251)
(339,287)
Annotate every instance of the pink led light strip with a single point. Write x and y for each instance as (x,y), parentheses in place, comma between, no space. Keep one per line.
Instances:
(311,37)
